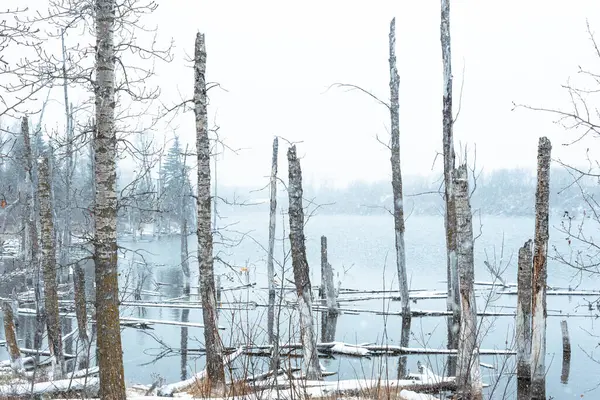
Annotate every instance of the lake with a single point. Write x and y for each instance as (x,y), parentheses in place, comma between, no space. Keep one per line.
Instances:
(361,250)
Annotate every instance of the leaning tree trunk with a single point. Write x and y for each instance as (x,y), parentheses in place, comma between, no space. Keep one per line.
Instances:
(300,266)
(214,347)
(49,267)
(10,334)
(468,374)
(397,174)
(540,253)
(523,322)
(110,355)
(453,303)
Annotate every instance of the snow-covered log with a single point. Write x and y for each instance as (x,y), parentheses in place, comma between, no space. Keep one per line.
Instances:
(89,385)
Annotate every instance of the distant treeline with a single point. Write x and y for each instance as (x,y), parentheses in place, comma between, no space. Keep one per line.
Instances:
(509,192)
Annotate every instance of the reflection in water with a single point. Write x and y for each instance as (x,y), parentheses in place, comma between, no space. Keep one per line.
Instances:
(328,326)
(404,338)
(185,314)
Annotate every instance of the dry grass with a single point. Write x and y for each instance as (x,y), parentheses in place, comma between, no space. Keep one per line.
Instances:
(202,388)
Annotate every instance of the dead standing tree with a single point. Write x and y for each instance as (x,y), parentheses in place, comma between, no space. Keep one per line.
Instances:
(397,174)
(300,267)
(49,267)
(540,273)
(110,355)
(523,321)
(468,373)
(214,347)
(453,303)
(271,331)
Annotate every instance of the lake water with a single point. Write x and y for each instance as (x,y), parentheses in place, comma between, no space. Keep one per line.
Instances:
(361,250)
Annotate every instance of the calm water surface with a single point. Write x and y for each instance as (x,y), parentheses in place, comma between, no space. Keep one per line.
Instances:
(361,252)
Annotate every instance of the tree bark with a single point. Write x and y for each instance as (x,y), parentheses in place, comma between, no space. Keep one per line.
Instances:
(112,383)
(301,269)
(453,303)
(540,253)
(214,347)
(327,279)
(272,224)
(49,267)
(83,344)
(468,374)
(66,231)
(397,174)
(10,334)
(523,322)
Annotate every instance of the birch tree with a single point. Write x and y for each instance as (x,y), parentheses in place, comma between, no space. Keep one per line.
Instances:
(300,267)
(214,347)
(110,357)
(49,267)
(453,303)
(468,373)
(397,174)
(540,273)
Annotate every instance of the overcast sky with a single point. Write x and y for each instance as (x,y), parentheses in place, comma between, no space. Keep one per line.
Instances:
(277,59)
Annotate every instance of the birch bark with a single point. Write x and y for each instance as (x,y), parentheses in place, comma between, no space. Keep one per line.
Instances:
(110,357)
(523,321)
(214,347)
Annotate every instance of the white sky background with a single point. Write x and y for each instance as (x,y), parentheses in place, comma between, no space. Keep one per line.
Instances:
(277,59)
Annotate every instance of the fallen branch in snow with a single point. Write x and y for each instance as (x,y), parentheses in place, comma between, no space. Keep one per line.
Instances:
(168,390)
(89,385)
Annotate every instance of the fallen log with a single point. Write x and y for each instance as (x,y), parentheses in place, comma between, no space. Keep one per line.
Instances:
(88,385)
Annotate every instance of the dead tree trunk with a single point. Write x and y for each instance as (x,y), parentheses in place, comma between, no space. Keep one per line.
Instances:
(468,374)
(214,347)
(66,231)
(10,334)
(110,361)
(523,323)
(327,279)
(83,343)
(396,173)
(272,224)
(540,252)
(453,303)
(49,267)
(185,266)
(300,266)
(31,242)
(566,364)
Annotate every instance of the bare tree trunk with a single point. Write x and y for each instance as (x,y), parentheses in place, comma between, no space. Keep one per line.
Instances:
(523,323)
(300,266)
(540,253)
(184,344)
(10,334)
(66,231)
(83,343)
(453,303)
(272,224)
(112,383)
(397,174)
(185,265)
(404,340)
(468,374)
(49,261)
(31,243)
(327,279)
(214,347)
(566,364)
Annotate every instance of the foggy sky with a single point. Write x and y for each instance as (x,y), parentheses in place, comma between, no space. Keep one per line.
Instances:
(277,60)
